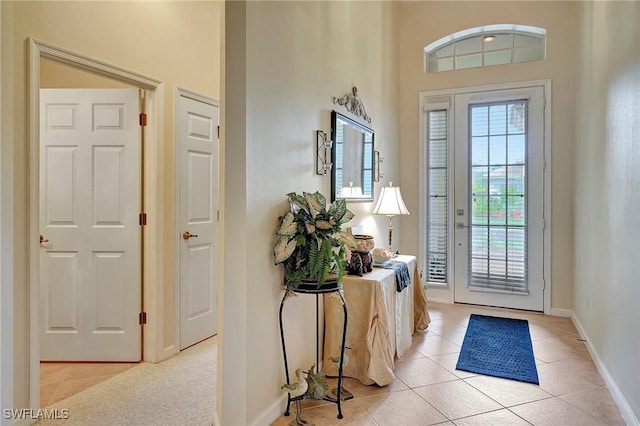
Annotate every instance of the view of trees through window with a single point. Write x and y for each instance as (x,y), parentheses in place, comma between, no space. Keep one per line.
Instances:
(498,194)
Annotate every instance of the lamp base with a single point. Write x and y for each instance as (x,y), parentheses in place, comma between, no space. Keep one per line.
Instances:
(390,229)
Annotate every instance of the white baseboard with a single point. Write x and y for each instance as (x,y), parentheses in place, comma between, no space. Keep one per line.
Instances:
(437,300)
(557,312)
(168,352)
(625,410)
(272,413)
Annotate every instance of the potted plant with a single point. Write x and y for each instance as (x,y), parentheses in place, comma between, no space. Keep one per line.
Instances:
(311,243)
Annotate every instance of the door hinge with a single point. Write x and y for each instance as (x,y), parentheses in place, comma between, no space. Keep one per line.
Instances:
(218,215)
(544,223)
(143,119)
(218,132)
(142,318)
(142,219)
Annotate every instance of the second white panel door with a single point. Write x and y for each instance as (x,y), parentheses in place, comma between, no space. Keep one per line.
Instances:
(198,185)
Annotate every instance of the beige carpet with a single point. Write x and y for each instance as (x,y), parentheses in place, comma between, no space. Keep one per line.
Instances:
(178,391)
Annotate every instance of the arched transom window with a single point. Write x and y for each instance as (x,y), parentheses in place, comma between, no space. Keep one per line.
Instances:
(485,46)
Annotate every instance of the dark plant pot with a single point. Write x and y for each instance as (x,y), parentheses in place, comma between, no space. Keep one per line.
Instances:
(311,286)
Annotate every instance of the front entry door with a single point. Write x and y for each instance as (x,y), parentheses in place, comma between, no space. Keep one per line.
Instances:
(499,181)
(198,202)
(90,291)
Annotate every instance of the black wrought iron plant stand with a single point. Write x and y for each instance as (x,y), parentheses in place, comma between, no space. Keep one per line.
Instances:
(317,291)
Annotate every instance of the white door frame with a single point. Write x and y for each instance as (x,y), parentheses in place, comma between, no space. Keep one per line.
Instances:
(446,294)
(153,190)
(177,239)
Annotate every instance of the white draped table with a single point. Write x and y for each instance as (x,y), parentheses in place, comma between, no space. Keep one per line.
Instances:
(380,324)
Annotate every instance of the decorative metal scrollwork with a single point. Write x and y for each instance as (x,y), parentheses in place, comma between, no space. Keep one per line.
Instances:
(353,104)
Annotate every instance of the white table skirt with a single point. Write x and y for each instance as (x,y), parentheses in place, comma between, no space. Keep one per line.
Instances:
(381,322)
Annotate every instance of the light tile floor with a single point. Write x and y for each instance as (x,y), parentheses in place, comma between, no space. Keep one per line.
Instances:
(429,390)
(60,380)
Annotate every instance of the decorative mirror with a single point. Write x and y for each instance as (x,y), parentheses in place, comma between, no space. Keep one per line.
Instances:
(352,154)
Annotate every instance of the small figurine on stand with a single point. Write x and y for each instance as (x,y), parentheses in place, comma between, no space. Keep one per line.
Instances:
(344,394)
(297,389)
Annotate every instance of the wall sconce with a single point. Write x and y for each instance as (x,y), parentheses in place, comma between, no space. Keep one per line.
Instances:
(323,153)
(376,166)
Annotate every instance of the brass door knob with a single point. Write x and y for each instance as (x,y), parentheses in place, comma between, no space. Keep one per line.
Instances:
(186,235)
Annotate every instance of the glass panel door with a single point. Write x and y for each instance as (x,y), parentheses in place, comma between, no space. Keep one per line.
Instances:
(499,182)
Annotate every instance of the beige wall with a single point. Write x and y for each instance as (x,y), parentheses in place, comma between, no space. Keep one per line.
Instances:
(297,56)
(425,22)
(607,230)
(177,43)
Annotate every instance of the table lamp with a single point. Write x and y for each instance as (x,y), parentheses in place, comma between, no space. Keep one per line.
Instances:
(390,203)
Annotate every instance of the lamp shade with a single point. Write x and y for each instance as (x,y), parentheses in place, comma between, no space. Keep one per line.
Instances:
(390,202)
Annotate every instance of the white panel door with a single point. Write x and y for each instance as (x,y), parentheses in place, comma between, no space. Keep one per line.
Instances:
(499,198)
(90,292)
(197,141)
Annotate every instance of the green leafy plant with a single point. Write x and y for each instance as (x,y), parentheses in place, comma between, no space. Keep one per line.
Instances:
(311,243)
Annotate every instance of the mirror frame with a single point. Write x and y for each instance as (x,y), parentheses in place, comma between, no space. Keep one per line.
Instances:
(365,169)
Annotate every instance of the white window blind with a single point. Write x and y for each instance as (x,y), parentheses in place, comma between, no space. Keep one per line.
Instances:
(498,201)
(367,163)
(339,152)
(437,195)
